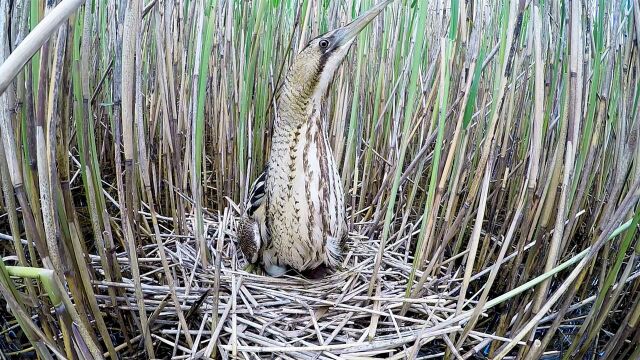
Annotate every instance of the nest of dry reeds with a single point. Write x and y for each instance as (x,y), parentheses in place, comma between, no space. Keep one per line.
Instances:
(293,317)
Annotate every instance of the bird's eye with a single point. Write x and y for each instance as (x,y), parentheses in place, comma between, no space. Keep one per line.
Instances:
(324,44)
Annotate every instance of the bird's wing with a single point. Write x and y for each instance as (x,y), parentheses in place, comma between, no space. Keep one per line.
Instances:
(255,207)
(256,194)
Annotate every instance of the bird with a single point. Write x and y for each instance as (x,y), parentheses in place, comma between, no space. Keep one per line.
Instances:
(295,216)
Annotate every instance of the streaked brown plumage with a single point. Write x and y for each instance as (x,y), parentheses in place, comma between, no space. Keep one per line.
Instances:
(295,216)
(248,232)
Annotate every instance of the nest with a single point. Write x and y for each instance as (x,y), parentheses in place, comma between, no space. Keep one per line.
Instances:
(252,316)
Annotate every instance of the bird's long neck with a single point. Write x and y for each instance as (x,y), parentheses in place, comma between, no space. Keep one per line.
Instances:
(298,107)
(299,138)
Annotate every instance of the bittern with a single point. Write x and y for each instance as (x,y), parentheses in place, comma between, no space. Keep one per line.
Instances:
(295,214)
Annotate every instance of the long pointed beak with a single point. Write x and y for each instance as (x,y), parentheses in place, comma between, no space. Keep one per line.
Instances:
(347,33)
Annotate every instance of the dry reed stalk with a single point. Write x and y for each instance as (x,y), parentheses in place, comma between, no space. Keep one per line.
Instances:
(130,27)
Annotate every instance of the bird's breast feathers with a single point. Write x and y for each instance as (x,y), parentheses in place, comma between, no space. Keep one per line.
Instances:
(305,206)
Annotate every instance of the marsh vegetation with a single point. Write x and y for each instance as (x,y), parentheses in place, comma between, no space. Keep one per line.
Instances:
(489,152)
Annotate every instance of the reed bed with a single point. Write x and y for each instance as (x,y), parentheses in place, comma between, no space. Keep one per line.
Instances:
(489,150)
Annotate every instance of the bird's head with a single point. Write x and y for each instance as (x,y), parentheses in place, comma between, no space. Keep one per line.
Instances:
(314,67)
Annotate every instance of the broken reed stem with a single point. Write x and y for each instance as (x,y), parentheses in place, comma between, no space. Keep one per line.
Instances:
(32,42)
